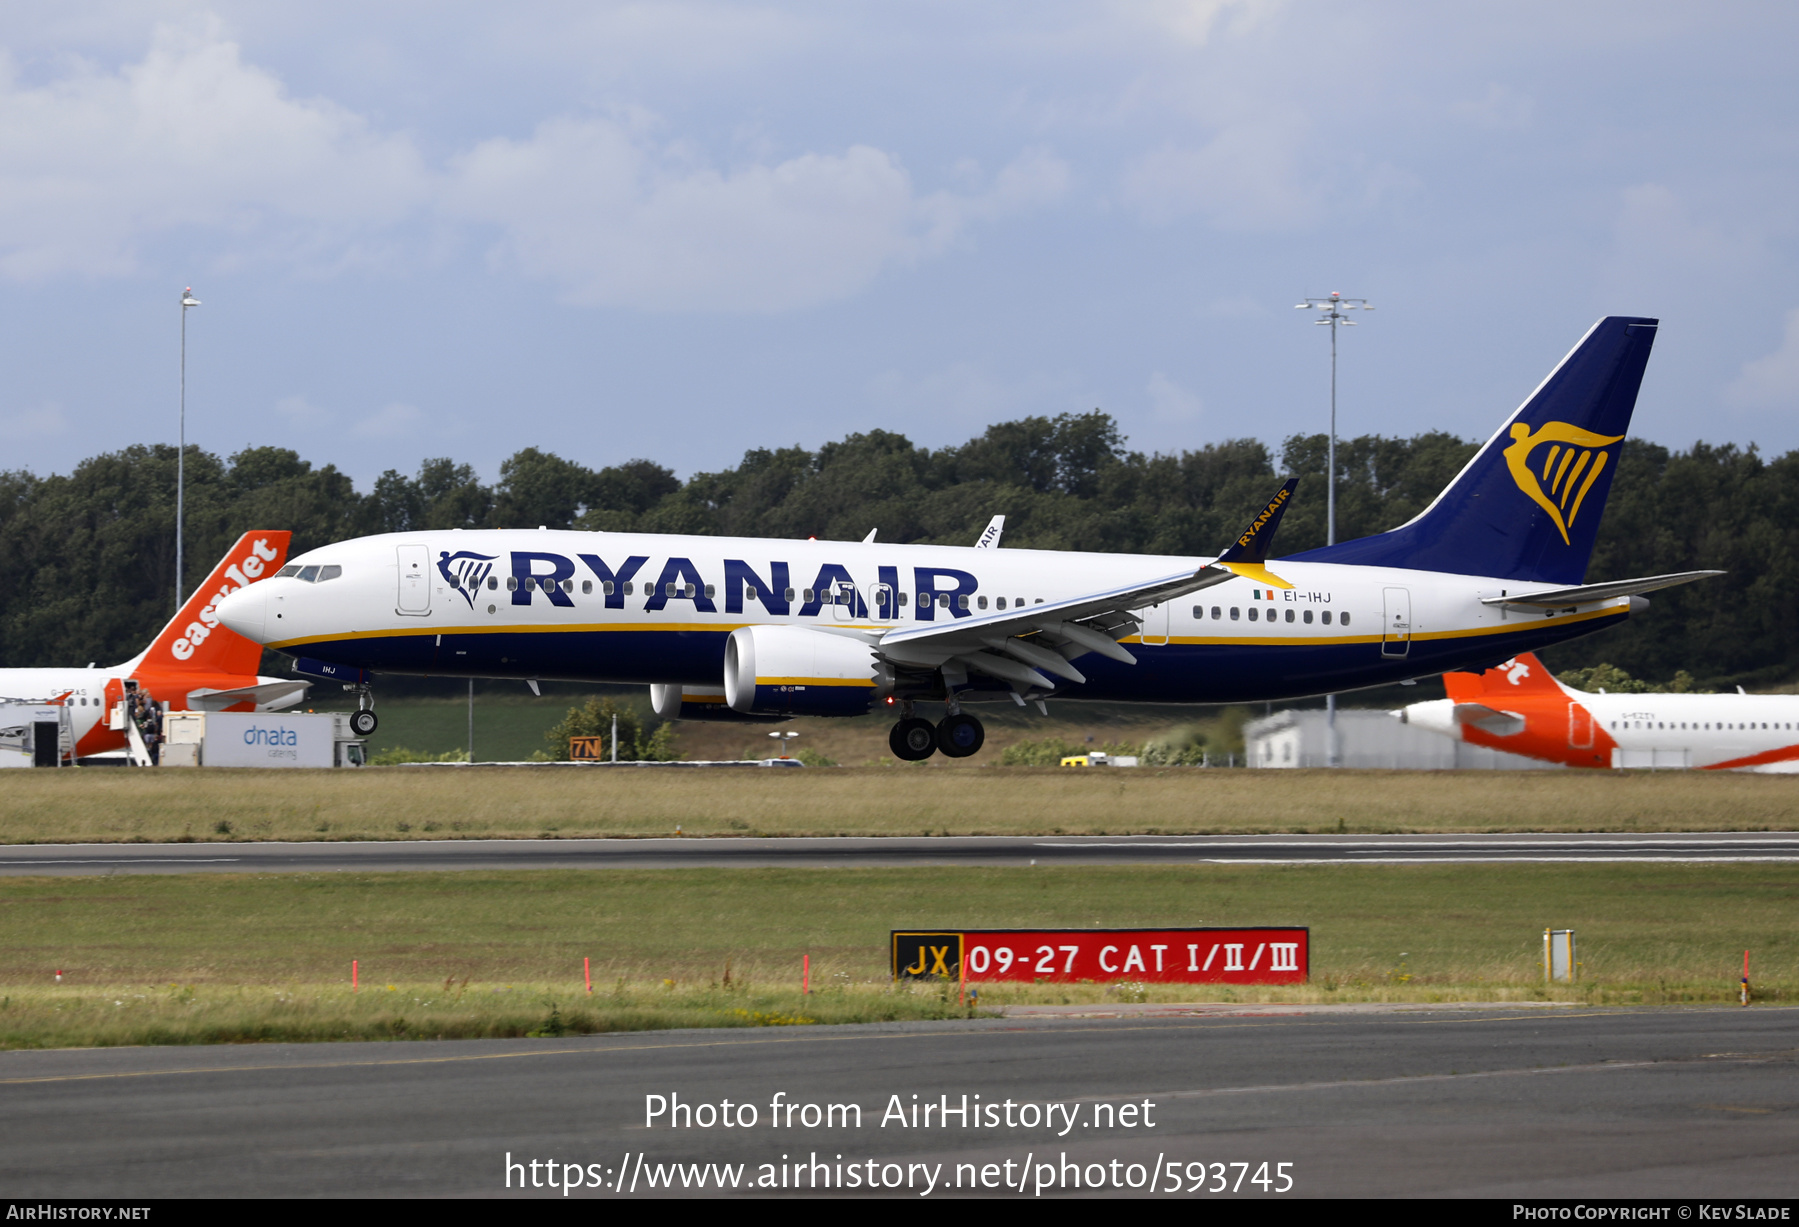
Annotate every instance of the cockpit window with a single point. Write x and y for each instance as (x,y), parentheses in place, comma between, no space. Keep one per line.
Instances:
(291,569)
(331,572)
(308,575)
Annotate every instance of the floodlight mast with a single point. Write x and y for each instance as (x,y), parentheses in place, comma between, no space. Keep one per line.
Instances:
(187,300)
(1334,313)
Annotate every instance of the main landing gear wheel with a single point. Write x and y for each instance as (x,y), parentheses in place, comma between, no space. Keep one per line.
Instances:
(912,739)
(362,723)
(960,735)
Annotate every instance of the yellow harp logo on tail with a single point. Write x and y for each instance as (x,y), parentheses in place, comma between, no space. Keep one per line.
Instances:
(1573,463)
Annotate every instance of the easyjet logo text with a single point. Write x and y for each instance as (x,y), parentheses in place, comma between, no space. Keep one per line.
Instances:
(245,571)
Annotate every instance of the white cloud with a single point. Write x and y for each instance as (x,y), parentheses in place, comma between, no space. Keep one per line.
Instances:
(619,220)
(394,421)
(1771,380)
(94,164)
(37,421)
(963,394)
(302,412)
(1170,402)
(1247,177)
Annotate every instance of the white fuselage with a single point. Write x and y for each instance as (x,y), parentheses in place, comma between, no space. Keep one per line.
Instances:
(473,603)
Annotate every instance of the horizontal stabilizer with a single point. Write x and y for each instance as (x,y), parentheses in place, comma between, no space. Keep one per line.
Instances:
(266,696)
(1586,594)
(1488,719)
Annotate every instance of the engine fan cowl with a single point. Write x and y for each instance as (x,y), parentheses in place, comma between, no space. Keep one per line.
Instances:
(676,702)
(795,671)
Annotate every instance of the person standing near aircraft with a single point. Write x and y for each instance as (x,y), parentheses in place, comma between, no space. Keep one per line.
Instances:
(194,662)
(749,629)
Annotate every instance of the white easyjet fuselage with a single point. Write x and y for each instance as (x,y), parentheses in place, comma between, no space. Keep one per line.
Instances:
(192,665)
(1730,732)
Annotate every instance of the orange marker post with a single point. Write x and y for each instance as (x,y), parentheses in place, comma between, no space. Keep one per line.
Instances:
(352,975)
(587,975)
(805,975)
(1745,977)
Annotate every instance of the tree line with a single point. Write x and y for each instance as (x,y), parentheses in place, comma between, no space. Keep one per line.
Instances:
(87,558)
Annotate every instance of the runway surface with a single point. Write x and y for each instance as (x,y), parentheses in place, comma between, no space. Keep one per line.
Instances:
(1490,1102)
(372,856)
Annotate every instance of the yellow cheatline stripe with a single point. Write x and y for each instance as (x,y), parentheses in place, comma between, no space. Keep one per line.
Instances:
(812,681)
(1260,574)
(1507,628)
(578,628)
(1312,641)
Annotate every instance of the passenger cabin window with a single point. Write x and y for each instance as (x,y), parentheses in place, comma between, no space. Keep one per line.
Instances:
(711,591)
(1000,603)
(1217,613)
(809,595)
(790,594)
(1343,618)
(512,583)
(1235,613)
(982,602)
(1308,617)
(1326,617)
(629,585)
(1252,613)
(962,602)
(586,586)
(1289,615)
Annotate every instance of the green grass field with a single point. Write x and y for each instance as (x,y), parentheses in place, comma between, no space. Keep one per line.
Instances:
(114,804)
(206,958)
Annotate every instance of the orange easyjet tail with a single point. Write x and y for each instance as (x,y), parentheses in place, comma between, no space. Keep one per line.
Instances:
(1522,675)
(193,641)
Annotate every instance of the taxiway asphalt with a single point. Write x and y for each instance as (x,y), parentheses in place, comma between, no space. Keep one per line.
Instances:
(439,855)
(1487,1102)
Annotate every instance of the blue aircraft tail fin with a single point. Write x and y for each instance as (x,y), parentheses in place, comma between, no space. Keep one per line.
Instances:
(1527,506)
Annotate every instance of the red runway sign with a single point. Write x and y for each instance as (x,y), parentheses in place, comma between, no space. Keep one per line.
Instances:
(1070,956)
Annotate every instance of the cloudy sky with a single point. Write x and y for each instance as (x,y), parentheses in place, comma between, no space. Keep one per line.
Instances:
(680,230)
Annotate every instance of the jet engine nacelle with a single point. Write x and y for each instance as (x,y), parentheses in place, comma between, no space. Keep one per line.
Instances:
(699,703)
(791,670)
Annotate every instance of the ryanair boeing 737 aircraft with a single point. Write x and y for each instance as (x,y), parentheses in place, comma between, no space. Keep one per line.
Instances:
(755,629)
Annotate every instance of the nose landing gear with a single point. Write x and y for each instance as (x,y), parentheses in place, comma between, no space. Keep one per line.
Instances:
(363,720)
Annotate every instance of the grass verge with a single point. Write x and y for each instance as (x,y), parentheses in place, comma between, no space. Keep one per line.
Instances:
(120,804)
(208,958)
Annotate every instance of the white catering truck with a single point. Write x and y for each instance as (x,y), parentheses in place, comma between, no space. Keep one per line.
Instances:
(34,734)
(260,739)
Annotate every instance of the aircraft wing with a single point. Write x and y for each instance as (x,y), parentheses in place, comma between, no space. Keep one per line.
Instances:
(1022,645)
(1025,646)
(1558,597)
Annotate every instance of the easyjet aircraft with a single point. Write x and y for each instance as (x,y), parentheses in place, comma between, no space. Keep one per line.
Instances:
(741,628)
(1521,708)
(193,665)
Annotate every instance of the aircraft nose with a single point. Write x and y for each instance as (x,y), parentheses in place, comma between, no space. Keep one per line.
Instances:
(244,612)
